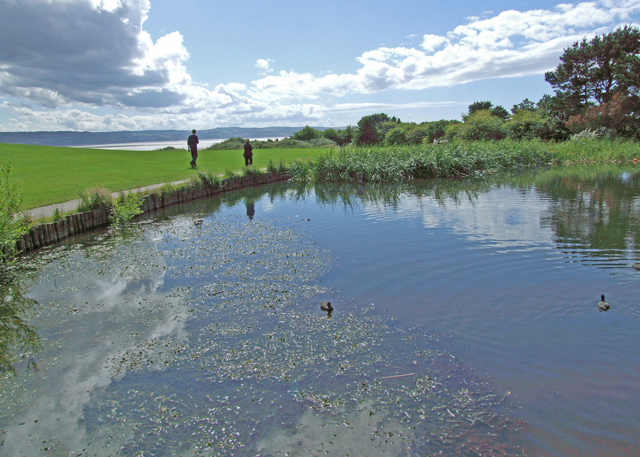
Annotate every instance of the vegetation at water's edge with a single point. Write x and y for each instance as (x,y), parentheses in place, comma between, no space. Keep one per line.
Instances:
(456,159)
(237,144)
(11,226)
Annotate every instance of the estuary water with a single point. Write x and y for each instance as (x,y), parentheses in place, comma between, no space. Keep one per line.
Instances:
(155,145)
(465,322)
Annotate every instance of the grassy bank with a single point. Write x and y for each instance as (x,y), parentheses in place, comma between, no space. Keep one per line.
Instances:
(47,175)
(456,159)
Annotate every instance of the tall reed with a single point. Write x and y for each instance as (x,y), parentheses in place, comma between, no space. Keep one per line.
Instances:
(455,159)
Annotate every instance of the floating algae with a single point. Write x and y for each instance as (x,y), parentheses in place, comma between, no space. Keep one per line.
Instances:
(207,340)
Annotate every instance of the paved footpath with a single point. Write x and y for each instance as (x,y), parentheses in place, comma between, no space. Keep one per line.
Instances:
(72,205)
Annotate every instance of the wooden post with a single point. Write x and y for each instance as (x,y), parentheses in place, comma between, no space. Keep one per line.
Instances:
(77,223)
(36,236)
(69,220)
(45,234)
(55,228)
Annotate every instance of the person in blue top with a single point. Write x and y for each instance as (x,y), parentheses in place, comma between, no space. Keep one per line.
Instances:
(192,143)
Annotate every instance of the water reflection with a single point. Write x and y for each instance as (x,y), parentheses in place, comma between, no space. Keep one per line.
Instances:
(101,311)
(201,334)
(592,212)
(578,210)
(19,340)
(251,208)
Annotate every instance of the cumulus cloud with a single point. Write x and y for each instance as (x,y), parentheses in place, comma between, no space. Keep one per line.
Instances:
(61,58)
(58,52)
(510,44)
(263,66)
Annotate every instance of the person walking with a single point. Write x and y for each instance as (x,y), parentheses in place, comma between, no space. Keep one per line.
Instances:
(248,153)
(192,143)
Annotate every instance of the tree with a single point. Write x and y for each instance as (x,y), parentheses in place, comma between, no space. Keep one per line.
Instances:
(481,125)
(554,110)
(346,136)
(497,111)
(331,134)
(381,123)
(612,116)
(527,124)
(526,105)
(590,73)
(377,119)
(397,135)
(479,106)
(368,135)
(307,133)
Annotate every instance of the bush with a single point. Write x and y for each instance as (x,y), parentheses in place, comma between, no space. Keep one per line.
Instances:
(481,125)
(209,179)
(125,209)
(527,125)
(306,134)
(95,198)
(12,226)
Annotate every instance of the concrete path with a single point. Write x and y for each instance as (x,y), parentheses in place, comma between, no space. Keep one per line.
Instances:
(72,205)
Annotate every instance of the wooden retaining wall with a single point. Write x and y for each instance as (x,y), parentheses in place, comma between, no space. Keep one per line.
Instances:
(53,232)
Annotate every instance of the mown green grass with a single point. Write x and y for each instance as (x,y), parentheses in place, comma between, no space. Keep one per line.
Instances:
(47,175)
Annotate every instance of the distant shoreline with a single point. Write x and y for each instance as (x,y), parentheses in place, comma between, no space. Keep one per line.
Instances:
(155,145)
(94,139)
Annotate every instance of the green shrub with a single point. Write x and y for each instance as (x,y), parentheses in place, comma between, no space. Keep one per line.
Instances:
(301,170)
(125,209)
(12,225)
(209,179)
(95,198)
(528,125)
(480,125)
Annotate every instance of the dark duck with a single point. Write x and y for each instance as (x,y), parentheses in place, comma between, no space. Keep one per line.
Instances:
(603,305)
(326,306)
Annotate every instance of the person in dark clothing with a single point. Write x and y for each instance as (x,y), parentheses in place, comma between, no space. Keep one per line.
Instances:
(192,142)
(248,153)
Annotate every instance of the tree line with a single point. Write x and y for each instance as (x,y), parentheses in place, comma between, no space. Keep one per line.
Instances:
(596,93)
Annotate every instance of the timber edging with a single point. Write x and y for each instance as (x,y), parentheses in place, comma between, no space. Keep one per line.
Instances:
(74,224)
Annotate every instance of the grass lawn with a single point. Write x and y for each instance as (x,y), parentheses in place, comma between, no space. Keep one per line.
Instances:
(47,175)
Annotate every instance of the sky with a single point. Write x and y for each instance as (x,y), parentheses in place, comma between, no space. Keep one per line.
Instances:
(110,65)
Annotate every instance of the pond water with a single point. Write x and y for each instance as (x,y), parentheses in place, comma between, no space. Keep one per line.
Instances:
(465,322)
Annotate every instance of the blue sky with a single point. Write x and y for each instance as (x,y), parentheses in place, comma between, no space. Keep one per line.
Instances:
(103,65)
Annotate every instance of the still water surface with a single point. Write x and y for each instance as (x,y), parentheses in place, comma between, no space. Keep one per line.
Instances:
(465,323)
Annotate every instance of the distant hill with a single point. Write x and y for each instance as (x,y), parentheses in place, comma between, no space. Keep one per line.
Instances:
(95,138)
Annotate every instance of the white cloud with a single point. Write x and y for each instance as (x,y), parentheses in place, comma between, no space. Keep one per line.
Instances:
(68,56)
(432,42)
(511,44)
(263,66)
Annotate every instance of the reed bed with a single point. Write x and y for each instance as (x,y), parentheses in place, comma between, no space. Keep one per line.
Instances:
(595,151)
(455,159)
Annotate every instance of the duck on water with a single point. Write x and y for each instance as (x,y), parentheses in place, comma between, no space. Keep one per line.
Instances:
(603,305)
(326,306)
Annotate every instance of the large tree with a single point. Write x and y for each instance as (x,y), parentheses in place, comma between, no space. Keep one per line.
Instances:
(592,72)
(307,133)
(497,111)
